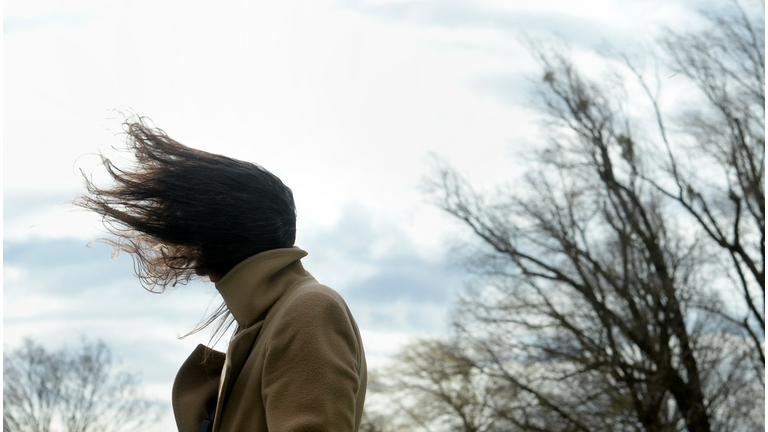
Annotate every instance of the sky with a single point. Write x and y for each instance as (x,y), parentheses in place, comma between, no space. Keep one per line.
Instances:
(349,102)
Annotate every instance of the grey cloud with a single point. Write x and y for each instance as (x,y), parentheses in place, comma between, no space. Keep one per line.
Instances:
(418,319)
(378,319)
(406,278)
(14,24)
(512,88)
(351,237)
(94,286)
(407,318)
(155,353)
(67,266)
(403,291)
(20,205)
(461,14)
(56,252)
(64,266)
(400,274)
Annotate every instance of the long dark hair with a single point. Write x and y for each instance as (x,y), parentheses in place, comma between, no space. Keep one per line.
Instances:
(178,209)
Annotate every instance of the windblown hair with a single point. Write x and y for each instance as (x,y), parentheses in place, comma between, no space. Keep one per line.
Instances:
(179,209)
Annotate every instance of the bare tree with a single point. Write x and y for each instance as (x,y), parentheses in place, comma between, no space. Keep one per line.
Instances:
(79,390)
(602,304)
(727,64)
(32,381)
(433,385)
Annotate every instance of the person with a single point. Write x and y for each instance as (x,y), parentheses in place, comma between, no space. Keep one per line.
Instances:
(296,360)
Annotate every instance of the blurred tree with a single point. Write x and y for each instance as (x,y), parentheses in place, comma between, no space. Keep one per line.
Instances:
(726,200)
(78,390)
(606,293)
(433,385)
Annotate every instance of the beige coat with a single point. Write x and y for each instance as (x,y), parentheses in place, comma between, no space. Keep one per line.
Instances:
(297,364)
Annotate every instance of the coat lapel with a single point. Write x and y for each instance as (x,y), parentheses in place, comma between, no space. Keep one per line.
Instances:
(195,389)
(251,290)
(237,354)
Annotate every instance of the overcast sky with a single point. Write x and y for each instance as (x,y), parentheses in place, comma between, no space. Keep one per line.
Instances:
(344,100)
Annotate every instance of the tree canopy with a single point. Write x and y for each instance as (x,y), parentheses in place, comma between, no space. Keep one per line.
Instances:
(79,389)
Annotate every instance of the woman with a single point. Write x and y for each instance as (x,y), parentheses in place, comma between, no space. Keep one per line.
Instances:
(296,359)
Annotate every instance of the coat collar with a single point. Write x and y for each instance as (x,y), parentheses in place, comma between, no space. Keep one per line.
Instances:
(257,283)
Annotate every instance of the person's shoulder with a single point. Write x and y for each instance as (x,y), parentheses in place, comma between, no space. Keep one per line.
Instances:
(317,290)
(312,298)
(312,307)
(315,296)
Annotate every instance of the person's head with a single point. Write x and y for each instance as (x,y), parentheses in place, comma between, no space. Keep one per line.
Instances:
(178,210)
